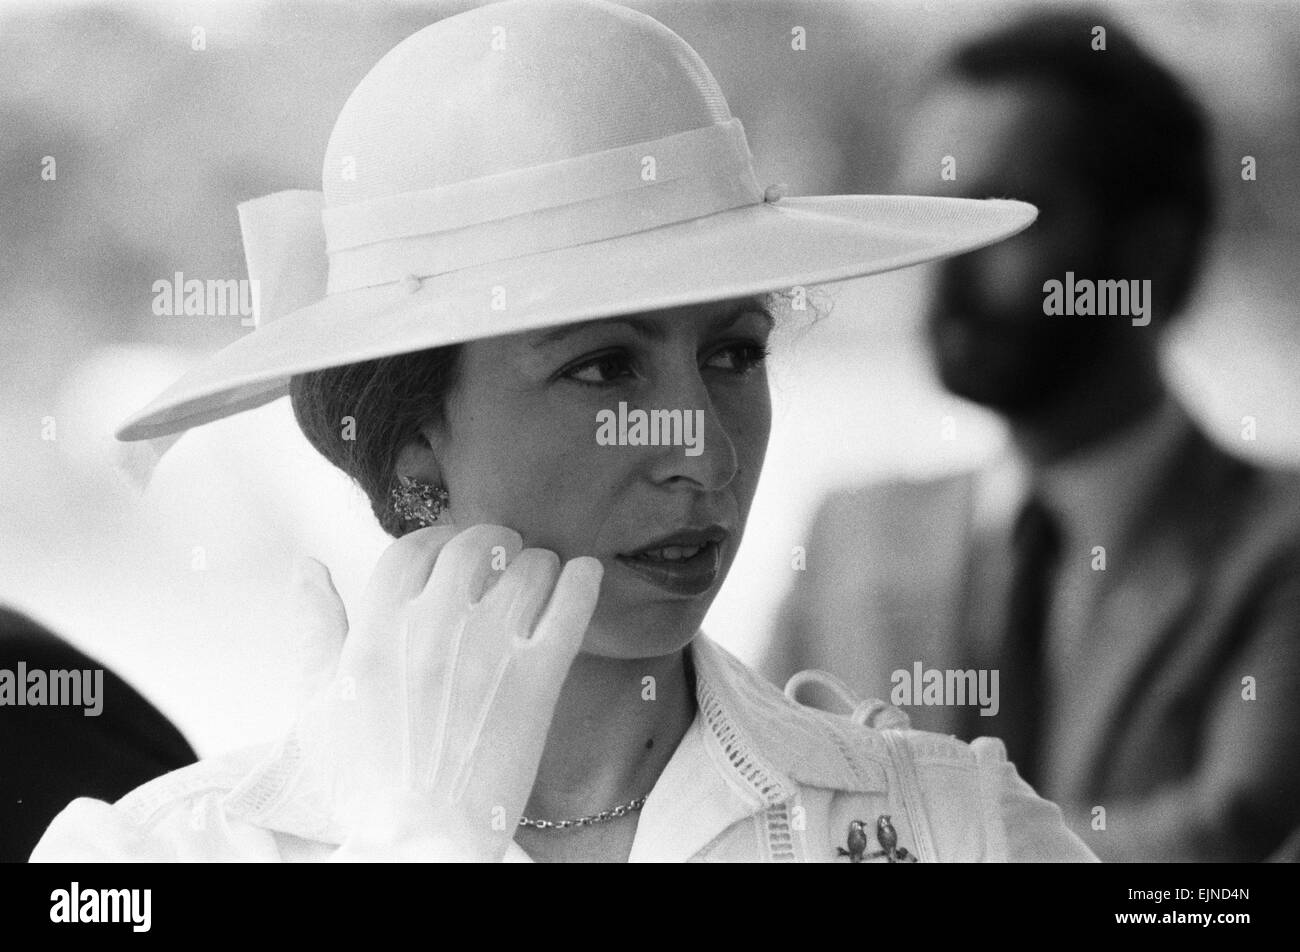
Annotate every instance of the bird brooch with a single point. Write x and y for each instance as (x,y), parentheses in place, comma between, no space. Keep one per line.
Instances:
(887,837)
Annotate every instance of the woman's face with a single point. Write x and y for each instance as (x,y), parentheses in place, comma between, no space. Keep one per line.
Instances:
(541,436)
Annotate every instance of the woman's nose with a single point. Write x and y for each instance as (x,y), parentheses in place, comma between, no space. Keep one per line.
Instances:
(703,452)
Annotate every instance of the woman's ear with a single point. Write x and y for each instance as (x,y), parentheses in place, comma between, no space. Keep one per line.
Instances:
(418,460)
(425,497)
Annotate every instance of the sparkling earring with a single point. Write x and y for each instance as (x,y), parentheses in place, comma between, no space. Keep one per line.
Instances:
(418,502)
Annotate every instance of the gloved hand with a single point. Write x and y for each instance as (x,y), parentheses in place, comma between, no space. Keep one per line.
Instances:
(427,739)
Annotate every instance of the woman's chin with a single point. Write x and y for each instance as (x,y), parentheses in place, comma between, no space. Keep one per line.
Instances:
(649,632)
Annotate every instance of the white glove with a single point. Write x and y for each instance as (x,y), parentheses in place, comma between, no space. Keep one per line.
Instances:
(427,740)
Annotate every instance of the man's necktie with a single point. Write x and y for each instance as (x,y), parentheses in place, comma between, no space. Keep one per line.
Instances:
(1023,705)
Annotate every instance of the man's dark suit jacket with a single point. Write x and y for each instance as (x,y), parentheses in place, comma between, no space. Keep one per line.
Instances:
(1161,735)
(49,755)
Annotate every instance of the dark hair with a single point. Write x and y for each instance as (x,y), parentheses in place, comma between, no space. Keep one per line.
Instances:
(361,415)
(1146,141)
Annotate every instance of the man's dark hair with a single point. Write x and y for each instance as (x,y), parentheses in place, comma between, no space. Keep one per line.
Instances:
(1139,140)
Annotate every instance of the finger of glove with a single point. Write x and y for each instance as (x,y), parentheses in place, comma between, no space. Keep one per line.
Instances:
(438,648)
(446,663)
(433,627)
(400,575)
(498,767)
(558,634)
(498,772)
(471,563)
(403,569)
(320,621)
(517,601)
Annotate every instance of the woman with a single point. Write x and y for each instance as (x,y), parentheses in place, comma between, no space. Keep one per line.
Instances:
(537,215)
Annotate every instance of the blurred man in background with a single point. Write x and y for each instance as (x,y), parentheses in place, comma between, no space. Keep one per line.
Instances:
(1136,589)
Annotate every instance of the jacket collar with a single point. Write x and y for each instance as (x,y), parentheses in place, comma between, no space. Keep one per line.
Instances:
(772,744)
(747,754)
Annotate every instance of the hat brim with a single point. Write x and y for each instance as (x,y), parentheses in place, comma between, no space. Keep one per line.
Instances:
(751,250)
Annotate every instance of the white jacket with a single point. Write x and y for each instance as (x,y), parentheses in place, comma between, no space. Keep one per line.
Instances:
(756,778)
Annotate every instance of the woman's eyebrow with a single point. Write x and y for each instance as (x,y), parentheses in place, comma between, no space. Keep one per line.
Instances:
(743,308)
(644,327)
(655,330)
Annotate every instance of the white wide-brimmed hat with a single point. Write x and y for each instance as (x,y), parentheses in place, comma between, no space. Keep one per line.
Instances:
(528,164)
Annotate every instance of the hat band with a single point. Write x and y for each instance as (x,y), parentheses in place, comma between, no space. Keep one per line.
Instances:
(576,201)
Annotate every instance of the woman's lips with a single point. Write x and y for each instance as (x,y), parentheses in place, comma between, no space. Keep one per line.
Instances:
(668,569)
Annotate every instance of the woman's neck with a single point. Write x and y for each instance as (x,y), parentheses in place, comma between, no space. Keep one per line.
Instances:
(615,729)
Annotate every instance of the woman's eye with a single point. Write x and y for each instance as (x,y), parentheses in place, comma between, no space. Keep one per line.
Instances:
(604,368)
(738,358)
